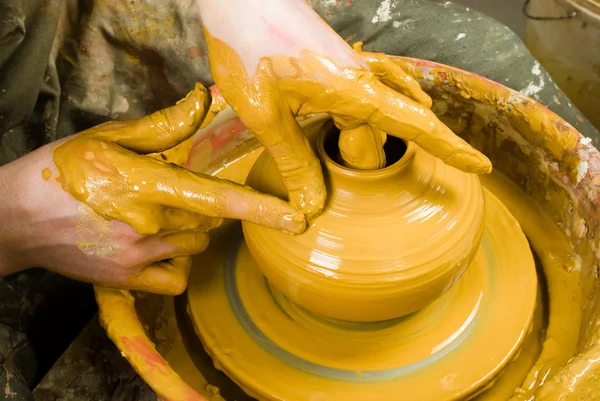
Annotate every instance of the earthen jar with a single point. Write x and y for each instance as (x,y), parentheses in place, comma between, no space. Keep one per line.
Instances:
(388,242)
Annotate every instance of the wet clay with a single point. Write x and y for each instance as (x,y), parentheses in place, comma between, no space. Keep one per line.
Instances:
(562,326)
(118,315)
(319,339)
(350,342)
(129,171)
(434,353)
(283,87)
(46,174)
(559,266)
(117,150)
(388,242)
(540,229)
(362,147)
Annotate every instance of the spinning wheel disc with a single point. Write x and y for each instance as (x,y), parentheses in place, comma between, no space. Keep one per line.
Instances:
(450,349)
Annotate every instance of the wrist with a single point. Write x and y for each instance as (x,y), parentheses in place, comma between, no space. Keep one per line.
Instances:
(31,212)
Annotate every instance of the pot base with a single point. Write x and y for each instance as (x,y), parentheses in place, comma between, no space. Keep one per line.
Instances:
(451,349)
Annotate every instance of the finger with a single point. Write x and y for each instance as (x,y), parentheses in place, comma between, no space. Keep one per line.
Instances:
(291,152)
(179,188)
(218,104)
(184,243)
(404,118)
(168,277)
(362,147)
(171,219)
(161,130)
(177,154)
(394,76)
(166,245)
(168,261)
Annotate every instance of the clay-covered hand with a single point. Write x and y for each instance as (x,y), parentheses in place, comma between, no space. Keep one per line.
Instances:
(106,207)
(275,60)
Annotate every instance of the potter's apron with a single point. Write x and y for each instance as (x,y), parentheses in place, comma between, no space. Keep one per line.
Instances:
(63,70)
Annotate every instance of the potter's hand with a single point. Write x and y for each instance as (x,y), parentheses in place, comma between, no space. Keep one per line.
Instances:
(274,60)
(108,209)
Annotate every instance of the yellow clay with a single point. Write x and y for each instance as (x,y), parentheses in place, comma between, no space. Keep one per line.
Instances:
(129,171)
(283,88)
(388,242)
(116,151)
(362,147)
(119,318)
(563,281)
(539,228)
(335,360)
(310,336)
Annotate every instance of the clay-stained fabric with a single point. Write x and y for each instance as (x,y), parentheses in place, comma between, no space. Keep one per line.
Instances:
(29,90)
(68,65)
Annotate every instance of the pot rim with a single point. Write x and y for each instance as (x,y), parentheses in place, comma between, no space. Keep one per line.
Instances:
(338,169)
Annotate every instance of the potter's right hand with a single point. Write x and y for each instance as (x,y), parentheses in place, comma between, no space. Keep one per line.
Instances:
(275,60)
(105,207)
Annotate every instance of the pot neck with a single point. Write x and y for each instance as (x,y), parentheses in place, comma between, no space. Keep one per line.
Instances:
(370,180)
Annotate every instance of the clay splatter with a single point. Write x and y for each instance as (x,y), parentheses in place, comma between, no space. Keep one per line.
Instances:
(582,169)
(403,24)
(384,12)
(533,89)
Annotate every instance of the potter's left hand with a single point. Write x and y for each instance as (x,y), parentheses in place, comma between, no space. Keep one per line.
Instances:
(275,60)
(111,206)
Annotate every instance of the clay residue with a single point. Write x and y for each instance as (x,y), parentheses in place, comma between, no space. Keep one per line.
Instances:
(548,160)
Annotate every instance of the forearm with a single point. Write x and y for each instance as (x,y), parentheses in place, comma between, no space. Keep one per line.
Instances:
(275,28)
(13,215)
(223,15)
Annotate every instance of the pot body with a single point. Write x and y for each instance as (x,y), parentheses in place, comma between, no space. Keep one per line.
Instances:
(388,242)
(569,49)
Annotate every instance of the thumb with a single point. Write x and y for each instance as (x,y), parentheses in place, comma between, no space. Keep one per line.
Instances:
(160,130)
(362,147)
(168,262)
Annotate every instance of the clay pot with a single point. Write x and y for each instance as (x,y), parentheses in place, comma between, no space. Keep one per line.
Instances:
(388,242)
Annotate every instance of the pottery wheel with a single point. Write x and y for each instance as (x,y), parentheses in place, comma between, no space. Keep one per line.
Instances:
(449,350)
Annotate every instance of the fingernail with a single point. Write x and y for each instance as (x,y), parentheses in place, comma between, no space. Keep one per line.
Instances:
(475,163)
(198,91)
(484,164)
(293,223)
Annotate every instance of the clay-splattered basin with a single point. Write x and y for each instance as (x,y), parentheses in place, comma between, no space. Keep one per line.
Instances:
(535,148)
